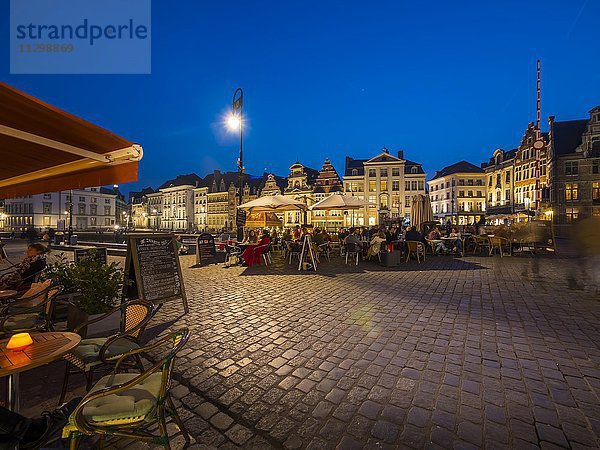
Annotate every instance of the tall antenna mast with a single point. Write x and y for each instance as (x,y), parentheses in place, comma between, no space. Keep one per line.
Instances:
(539,98)
(539,143)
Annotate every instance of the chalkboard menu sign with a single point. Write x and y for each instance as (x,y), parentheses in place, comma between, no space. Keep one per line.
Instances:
(539,232)
(98,253)
(240,219)
(206,251)
(153,270)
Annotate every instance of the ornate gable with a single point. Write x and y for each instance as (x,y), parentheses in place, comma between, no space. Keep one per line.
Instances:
(384,157)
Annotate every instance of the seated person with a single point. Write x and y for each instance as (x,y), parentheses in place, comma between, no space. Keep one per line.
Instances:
(457,241)
(252,254)
(287,236)
(251,237)
(33,263)
(413,235)
(342,234)
(375,244)
(297,233)
(435,237)
(318,237)
(354,238)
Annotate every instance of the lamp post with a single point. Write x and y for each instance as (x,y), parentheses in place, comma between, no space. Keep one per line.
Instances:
(234,122)
(70,215)
(305,199)
(452,213)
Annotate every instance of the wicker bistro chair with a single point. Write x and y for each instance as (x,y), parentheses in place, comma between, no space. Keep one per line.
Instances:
(30,312)
(126,405)
(500,244)
(90,354)
(481,243)
(415,248)
(325,249)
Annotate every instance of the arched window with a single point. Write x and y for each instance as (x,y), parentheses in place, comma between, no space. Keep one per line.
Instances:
(413,170)
(354,172)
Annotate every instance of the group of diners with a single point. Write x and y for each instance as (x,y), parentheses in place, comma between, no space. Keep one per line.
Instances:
(369,242)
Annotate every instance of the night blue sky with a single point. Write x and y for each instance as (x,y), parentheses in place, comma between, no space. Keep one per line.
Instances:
(442,80)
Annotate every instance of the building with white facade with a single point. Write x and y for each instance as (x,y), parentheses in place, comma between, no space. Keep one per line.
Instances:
(155,210)
(201,208)
(388,183)
(458,193)
(139,209)
(178,202)
(90,208)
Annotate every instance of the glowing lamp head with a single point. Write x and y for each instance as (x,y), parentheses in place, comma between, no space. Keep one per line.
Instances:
(19,341)
(233,122)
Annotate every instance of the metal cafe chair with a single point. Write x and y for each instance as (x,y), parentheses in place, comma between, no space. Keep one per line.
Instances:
(265,253)
(415,248)
(352,252)
(92,353)
(294,251)
(127,405)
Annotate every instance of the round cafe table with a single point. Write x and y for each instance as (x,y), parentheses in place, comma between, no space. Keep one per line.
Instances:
(46,348)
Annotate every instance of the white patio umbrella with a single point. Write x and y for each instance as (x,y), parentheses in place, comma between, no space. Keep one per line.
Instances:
(272,203)
(340,201)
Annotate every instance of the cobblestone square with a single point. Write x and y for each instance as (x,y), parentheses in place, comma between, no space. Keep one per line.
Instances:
(452,353)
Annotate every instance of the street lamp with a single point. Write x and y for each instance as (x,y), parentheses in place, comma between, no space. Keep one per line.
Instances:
(70,215)
(235,122)
(452,213)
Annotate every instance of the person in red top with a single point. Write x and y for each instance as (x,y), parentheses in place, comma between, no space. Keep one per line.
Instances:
(297,233)
(252,254)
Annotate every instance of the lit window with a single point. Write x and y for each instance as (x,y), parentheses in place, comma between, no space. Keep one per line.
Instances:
(571,191)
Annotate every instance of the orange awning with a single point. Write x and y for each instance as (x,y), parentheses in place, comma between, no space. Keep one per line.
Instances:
(45,149)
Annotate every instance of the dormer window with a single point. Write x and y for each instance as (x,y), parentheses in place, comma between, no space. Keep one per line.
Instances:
(413,170)
(354,172)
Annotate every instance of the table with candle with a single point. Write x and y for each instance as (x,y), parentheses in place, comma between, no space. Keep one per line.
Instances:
(22,352)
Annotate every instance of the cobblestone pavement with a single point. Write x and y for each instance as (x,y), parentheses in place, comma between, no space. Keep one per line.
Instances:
(464,353)
(452,353)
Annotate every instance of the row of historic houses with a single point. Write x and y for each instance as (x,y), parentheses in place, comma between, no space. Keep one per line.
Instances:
(552,175)
(387,182)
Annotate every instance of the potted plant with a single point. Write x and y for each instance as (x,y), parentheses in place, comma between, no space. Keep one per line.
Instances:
(61,271)
(92,287)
